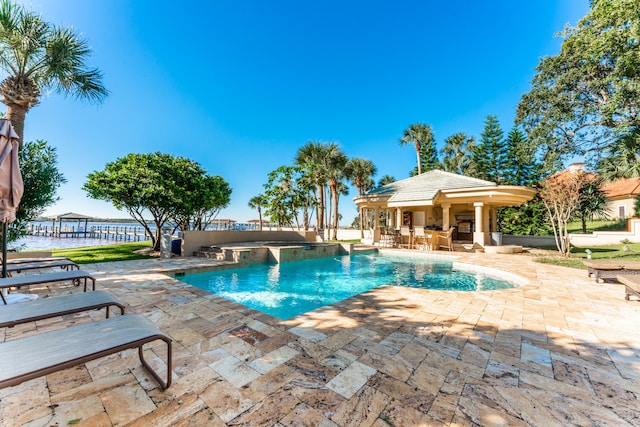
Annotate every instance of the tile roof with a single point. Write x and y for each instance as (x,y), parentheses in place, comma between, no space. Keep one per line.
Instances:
(622,187)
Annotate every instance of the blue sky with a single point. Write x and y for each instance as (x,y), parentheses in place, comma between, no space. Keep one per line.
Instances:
(239,86)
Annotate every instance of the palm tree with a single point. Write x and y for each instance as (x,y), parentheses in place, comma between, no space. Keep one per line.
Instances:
(38,56)
(334,166)
(257,202)
(592,203)
(360,172)
(312,157)
(622,159)
(387,179)
(417,134)
(457,153)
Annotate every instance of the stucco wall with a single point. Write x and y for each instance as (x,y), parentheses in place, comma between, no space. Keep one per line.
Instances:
(193,240)
(613,205)
(601,238)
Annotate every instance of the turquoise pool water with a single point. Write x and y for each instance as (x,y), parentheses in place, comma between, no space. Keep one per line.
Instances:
(289,289)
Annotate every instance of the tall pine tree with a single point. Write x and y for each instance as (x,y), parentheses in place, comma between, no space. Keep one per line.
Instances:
(520,165)
(490,156)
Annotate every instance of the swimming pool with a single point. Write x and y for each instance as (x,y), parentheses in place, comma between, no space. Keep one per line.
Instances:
(288,289)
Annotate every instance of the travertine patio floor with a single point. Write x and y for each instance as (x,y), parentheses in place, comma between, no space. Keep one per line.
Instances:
(561,350)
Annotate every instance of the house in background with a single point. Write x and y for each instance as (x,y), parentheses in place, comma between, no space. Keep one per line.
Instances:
(621,196)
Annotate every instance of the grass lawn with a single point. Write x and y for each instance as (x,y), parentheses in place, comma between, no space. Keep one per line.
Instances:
(106,253)
(628,252)
(598,225)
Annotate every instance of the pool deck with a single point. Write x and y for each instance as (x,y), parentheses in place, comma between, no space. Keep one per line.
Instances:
(560,350)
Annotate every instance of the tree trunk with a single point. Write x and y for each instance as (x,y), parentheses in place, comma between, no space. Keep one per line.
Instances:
(16,114)
(158,238)
(361,223)
(260,217)
(320,209)
(584,224)
(334,195)
(418,156)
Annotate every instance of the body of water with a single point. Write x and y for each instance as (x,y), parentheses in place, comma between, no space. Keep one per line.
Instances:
(49,243)
(289,289)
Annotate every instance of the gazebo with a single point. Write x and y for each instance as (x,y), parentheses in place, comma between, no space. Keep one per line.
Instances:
(70,216)
(441,200)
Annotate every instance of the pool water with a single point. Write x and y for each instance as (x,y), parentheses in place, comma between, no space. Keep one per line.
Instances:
(289,289)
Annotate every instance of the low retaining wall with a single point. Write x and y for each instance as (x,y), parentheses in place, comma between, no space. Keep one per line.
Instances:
(193,240)
(601,238)
(529,241)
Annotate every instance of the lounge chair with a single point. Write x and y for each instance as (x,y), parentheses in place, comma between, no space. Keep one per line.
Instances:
(610,269)
(47,308)
(36,265)
(36,279)
(41,354)
(631,285)
(36,259)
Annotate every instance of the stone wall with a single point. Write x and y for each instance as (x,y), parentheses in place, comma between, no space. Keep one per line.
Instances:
(194,240)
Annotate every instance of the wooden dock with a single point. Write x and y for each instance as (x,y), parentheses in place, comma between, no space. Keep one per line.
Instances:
(131,233)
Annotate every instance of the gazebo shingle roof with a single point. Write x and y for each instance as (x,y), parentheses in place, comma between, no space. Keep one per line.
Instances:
(426,186)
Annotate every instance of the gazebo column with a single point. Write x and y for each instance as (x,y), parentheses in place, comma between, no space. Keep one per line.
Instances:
(376,225)
(479,233)
(398,217)
(486,214)
(445,216)
(493,213)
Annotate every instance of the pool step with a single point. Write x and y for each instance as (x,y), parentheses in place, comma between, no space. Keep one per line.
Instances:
(211,252)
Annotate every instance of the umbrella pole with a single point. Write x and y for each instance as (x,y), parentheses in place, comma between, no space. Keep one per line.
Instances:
(4,249)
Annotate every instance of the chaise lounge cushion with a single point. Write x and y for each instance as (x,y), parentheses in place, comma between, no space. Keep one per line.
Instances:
(15,314)
(41,354)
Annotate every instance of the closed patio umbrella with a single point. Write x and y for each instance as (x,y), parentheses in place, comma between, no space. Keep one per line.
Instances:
(11,185)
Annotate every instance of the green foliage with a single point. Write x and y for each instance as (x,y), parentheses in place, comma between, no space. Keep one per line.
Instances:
(421,137)
(578,255)
(39,168)
(387,179)
(287,192)
(201,200)
(636,207)
(104,253)
(560,194)
(528,219)
(582,98)
(490,156)
(598,225)
(38,57)
(622,158)
(312,157)
(360,172)
(167,187)
(591,204)
(335,166)
(457,154)
(520,164)
(258,202)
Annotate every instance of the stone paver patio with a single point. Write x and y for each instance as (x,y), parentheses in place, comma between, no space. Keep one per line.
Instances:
(560,350)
